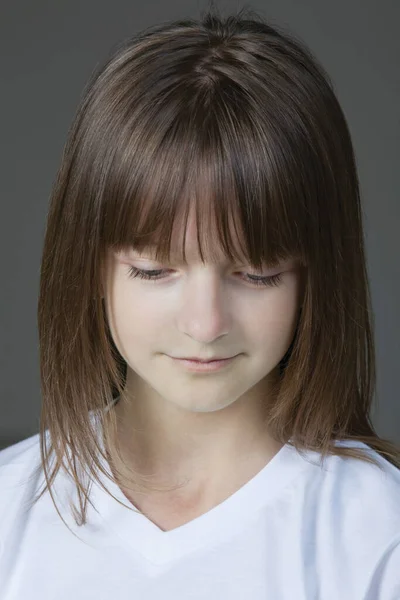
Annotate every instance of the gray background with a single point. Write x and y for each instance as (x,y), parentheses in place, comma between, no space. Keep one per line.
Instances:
(48,51)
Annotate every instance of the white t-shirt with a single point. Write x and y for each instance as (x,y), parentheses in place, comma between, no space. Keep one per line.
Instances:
(295,531)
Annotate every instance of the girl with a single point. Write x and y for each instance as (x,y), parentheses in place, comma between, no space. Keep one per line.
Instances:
(206,340)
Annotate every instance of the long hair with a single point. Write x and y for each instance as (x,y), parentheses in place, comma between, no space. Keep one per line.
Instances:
(236,118)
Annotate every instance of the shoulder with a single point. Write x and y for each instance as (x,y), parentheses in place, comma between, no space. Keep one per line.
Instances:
(20,464)
(17,461)
(348,512)
(19,452)
(359,491)
(363,484)
(353,506)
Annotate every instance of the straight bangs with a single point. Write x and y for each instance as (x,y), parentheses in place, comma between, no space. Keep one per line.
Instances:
(220,163)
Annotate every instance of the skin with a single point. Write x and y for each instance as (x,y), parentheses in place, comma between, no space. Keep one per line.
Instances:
(186,427)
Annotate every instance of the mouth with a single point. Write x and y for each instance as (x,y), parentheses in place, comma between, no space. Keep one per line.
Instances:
(208,360)
(205,366)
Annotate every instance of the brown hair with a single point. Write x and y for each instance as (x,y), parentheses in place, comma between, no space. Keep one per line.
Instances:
(234,117)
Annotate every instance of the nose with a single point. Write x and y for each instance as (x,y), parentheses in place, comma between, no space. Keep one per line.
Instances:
(204,312)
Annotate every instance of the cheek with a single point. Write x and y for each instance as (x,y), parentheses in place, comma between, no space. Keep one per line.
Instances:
(272,324)
(137,318)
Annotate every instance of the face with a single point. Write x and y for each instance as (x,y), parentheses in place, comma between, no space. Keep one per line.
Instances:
(200,310)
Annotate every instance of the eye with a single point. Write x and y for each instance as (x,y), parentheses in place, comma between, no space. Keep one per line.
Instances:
(154,275)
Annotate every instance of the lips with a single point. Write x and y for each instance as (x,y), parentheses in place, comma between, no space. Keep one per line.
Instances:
(194,358)
(208,366)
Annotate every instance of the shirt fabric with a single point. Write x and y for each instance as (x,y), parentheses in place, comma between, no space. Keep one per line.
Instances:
(296,530)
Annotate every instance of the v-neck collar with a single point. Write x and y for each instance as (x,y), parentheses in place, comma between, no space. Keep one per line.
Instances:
(141,535)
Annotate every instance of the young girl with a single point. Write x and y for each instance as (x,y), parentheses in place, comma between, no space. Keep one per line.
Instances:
(206,341)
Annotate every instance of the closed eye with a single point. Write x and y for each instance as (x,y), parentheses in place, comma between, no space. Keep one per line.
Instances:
(157,274)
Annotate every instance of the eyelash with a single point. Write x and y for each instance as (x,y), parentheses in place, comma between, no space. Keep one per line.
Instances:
(269,281)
